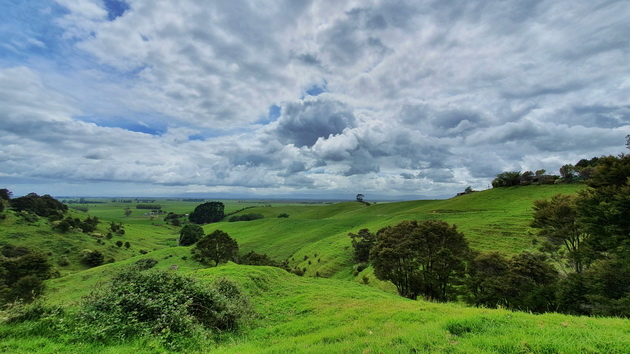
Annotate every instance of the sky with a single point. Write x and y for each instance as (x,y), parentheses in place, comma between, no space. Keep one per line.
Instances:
(305,99)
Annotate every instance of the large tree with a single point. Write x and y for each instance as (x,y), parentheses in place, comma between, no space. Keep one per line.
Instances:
(217,246)
(424,257)
(207,213)
(565,236)
(507,179)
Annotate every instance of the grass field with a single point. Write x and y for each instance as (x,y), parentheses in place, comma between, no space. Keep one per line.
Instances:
(328,310)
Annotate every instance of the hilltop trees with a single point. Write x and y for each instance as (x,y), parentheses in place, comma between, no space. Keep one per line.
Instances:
(45,205)
(207,213)
(420,258)
(507,179)
(22,273)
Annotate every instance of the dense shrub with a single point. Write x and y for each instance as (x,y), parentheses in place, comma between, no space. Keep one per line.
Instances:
(92,258)
(22,274)
(172,307)
(283,215)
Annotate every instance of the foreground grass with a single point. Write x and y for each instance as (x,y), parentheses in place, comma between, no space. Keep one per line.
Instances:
(315,315)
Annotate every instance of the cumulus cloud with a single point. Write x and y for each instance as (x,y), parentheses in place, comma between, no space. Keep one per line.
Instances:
(387,97)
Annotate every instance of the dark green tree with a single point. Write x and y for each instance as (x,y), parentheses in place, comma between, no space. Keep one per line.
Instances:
(217,247)
(5,194)
(362,243)
(360,197)
(189,234)
(420,258)
(565,236)
(207,213)
(507,179)
(524,282)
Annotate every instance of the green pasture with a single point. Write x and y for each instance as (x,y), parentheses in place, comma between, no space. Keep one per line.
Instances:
(330,309)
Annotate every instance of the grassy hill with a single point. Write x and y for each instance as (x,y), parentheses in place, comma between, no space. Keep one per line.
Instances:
(333,312)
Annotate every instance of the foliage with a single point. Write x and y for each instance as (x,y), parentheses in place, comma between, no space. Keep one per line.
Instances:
(88,225)
(507,179)
(360,197)
(92,258)
(145,263)
(45,205)
(420,258)
(207,213)
(559,224)
(164,304)
(189,234)
(217,246)
(246,217)
(362,243)
(524,282)
(5,194)
(567,172)
(283,215)
(22,273)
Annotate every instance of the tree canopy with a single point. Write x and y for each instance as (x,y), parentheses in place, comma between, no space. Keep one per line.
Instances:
(207,212)
(424,257)
(217,246)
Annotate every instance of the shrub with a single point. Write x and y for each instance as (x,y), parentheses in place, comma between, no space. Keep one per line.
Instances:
(164,304)
(283,215)
(145,264)
(92,258)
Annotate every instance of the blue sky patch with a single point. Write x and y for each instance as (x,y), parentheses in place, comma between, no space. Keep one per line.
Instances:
(115,8)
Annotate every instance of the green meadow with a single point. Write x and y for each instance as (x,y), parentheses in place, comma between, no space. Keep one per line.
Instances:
(329,309)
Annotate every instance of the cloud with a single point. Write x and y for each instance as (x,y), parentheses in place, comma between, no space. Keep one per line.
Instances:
(321,97)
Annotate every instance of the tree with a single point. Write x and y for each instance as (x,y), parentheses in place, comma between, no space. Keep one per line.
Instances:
(217,246)
(360,197)
(540,172)
(524,282)
(127,211)
(5,194)
(628,141)
(362,244)
(207,213)
(559,224)
(420,258)
(527,177)
(567,172)
(189,234)
(507,179)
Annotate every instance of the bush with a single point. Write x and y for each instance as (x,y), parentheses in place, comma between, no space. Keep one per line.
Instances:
(283,215)
(145,264)
(164,304)
(92,258)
